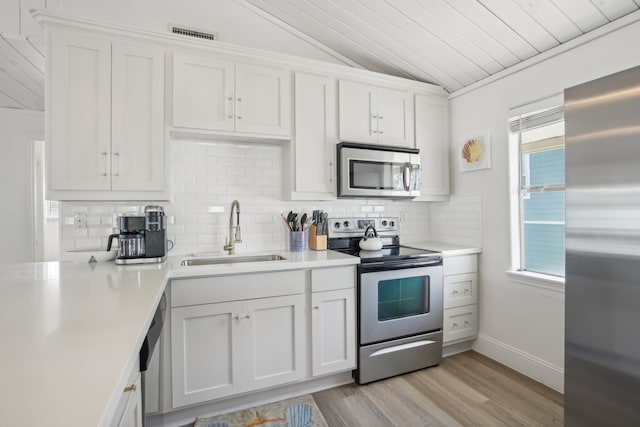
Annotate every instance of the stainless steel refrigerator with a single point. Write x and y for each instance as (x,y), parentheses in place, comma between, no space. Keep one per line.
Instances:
(602,299)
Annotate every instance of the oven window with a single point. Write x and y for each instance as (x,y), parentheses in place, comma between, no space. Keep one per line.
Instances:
(405,297)
(375,175)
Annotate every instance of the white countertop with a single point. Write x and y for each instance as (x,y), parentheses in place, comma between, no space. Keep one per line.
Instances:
(447,249)
(70,332)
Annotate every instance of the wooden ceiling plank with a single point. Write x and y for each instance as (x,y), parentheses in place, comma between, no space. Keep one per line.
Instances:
(522,23)
(421,15)
(311,27)
(387,53)
(8,102)
(21,76)
(547,15)
(387,25)
(614,9)
(28,51)
(494,28)
(20,93)
(466,28)
(344,26)
(582,13)
(384,38)
(19,66)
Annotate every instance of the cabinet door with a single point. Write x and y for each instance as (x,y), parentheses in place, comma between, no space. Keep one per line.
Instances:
(205,352)
(275,342)
(394,117)
(137,147)
(314,138)
(203,93)
(432,139)
(132,415)
(333,329)
(262,100)
(79,109)
(357,111)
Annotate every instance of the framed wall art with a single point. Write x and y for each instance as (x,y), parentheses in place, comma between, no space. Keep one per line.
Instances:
(474,153)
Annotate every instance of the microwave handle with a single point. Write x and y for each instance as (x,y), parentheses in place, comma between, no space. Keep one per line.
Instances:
(407,176)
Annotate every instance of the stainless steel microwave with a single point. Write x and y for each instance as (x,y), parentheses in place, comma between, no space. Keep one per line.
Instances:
(378,171)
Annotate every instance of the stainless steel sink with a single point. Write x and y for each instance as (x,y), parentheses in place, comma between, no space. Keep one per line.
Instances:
(230,260)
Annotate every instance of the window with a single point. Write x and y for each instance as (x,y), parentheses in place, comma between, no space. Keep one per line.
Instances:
(538,139)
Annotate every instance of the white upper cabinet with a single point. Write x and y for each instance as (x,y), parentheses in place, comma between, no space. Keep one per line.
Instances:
(372,114)
(105,138)
(79,109)
(432,139)
(209,103)
(314,139)
(225,96)
(137,135)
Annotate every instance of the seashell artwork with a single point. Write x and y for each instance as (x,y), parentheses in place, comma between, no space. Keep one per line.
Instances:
(475,152)
(472,151)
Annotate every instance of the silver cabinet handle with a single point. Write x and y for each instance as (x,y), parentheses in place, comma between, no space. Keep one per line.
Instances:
(115,164)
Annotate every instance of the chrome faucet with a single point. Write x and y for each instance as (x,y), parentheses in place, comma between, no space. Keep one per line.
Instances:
(234,231)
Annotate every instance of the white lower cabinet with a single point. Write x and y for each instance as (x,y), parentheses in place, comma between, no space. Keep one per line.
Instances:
(333,323)
(333,331)
(236,334)
(129,410)
(460,298)
(228,348)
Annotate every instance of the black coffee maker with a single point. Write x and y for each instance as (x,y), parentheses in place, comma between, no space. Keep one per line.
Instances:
(142,239)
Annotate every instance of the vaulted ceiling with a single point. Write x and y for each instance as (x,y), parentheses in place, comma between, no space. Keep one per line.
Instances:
(452,43)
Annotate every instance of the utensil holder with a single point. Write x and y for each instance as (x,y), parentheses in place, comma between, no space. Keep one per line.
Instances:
(297,241)
(317,242)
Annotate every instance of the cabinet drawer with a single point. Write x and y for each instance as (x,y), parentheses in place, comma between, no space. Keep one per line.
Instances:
(460,264)
(460,289)
(205,290)
(328,279)
(460,323)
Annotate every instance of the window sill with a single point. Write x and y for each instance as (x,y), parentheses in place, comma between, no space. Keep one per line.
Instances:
(544,281)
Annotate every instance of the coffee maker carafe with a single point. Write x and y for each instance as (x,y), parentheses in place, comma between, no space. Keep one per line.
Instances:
(142,239)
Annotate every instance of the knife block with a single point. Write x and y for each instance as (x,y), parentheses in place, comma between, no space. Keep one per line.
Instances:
(317,243)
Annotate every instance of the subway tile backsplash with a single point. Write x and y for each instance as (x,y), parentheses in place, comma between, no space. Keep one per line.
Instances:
(207,178)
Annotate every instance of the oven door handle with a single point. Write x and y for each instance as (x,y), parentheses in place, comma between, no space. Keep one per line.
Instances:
(401,265)
(401,347)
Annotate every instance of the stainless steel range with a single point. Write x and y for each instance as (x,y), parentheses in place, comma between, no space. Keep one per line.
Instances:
(399,300)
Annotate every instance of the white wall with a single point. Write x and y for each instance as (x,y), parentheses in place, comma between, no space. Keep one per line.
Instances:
(18,128)
(207,176)
(520,325)
(232,20)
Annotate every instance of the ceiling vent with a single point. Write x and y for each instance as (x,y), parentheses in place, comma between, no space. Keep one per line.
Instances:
(192,32)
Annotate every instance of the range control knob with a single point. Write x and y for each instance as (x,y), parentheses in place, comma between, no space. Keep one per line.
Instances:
(392,223)
(346,224)
(336,225)
(384,222)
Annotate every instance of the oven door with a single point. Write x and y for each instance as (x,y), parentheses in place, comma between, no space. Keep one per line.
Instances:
(398,301)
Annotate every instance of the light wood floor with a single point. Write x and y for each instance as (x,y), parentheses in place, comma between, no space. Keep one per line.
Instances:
(467,389)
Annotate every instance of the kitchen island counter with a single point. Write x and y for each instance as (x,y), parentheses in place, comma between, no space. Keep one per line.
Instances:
(71,332)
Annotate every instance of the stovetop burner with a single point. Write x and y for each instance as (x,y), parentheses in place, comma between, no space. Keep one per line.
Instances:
(345,235)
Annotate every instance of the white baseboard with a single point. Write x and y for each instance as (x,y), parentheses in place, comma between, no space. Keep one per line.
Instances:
(523,362)
(451,349)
